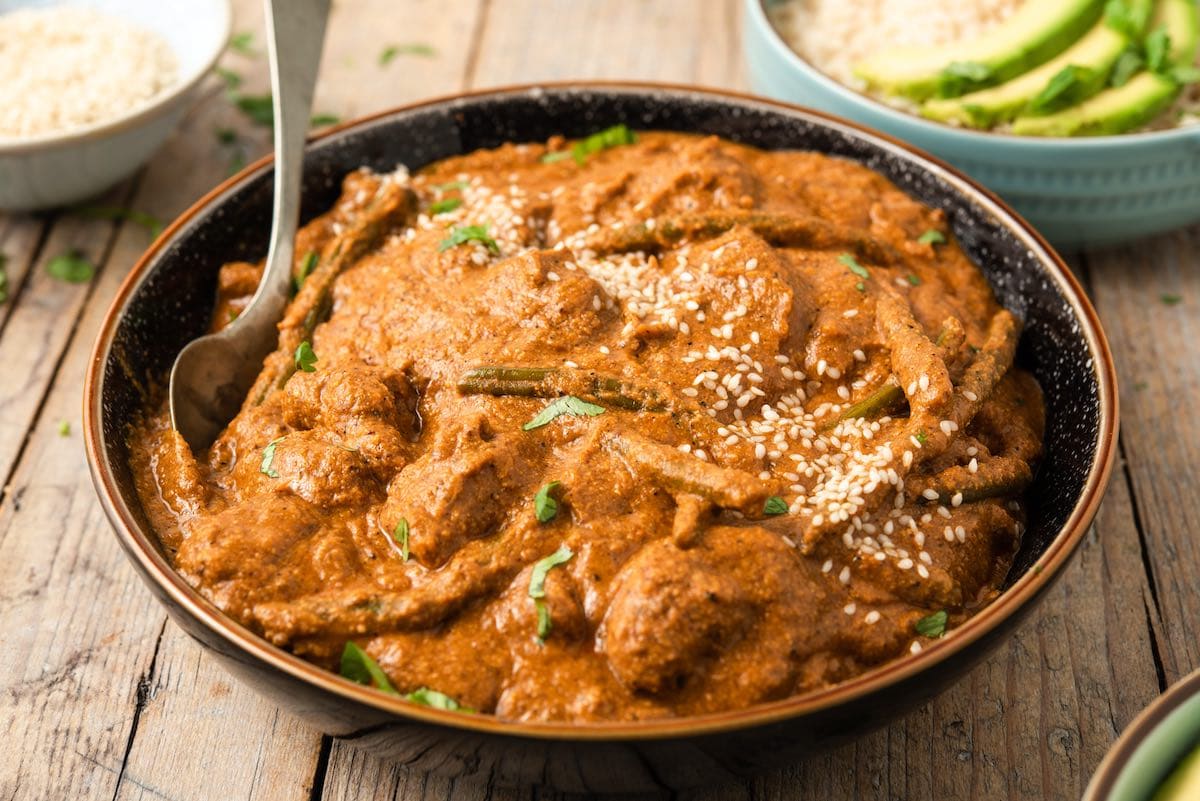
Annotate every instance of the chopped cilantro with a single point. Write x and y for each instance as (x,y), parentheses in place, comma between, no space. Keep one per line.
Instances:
(64,428)
(853,265)
(1062,90)
(537,586)
(913,279)
(922,437)
(446,205)
(860,286)
(544,505)
(451,186)
(268,457)
(72,267)
(359,667)
(775,506)
(932,237)
(1170,299)
(226,136)
(569,405)
(305,357)
(258,108)
(432,698)
(320,120)
(462,234)
(615,136)
(933,625)
(243,43)
(411,49)
(231,78)
(544,622)
(400,535)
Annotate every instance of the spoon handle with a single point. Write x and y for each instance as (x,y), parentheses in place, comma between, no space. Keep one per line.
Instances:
(295,32)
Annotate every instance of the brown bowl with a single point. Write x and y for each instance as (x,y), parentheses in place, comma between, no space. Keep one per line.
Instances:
(168,297)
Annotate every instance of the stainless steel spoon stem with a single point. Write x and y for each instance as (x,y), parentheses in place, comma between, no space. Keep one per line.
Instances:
(213,373)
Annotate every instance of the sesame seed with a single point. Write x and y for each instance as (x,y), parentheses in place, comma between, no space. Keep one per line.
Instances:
(844,576)
(872,617)
(850,608)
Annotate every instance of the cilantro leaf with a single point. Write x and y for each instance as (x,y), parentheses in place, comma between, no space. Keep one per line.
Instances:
(243,43)
(1062,90)
(72,267)
(1170,299)
(932,237)
(268,457)
(615,136)
(306,267)
(853,265)
(321,120)
(775,506)
(411,49)
(258,108)
(432,698)
(544,505)
(461,234)
(305,357)
(537,577)
(446,205)
(569,405)
(358,666)
(400,535)
(933,625)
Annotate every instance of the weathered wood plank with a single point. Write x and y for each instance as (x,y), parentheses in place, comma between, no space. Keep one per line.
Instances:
(20,236)
(1148,295)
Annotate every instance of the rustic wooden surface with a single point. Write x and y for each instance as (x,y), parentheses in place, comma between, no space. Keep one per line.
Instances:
(103,698)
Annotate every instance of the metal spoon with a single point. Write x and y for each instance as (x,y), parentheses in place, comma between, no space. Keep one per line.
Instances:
(213,373)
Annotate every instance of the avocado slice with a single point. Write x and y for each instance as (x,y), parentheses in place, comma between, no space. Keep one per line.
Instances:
(1184,781)
(1093,58)
(1113,111)
(1036,32)
(1144,97)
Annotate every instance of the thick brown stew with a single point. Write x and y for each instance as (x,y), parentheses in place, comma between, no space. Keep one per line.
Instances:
(637,431)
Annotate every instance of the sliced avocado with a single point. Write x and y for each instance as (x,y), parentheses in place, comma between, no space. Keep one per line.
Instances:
(1093,58)
(1181,19)
(1113,111)
(1184,781)
(1036,32)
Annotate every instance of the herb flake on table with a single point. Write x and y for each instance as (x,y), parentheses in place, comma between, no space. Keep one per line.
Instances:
(321,120)
(268,456)
(853,266)
(306,359)
(400,536)
(64,428)
(537,587)
(3,277)
(445,205)
(389,53)
(72,267)
(775,506)
(544,505)
(932,237)
(933,625)
(242,43)
(231,78)
(152,224)
(437,700)
(1170,299)
(358,666)
(568,405)
(258,108)
(461,234)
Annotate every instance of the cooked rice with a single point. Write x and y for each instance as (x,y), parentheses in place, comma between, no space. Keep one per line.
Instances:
(68,67)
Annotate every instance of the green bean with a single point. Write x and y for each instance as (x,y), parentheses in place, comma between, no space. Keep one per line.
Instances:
(552,382)
(874,405)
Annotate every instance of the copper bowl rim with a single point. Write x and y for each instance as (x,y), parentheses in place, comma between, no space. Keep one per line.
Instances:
(139,542)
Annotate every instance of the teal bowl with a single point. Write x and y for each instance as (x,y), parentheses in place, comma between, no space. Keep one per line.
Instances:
(1078,193)
(1150,748)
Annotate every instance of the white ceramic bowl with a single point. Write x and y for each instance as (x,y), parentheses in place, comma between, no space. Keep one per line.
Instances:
(56,169)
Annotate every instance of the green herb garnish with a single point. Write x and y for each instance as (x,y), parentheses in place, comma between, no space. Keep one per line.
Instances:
(450,186)
(226,136)
(932,237)
(427,697)
(853,265)
(305,357)
(71,267)
(544,505)
(1157,45)
(400,535)
(913,279)
(306,267)
(860,286)
(1129,63)
(1062,89)
(319,120)
(243,43)
(462,234)
(537,586)
(1124,18)
(231,79)
(615,136)
(152,224)
(922,437)
(569,405)
(412,49)
(443,206)
(933,625)
(1170,299)
(961,77)
(64,428)
(268,457)
(358,666)
(258,108)
(775,506)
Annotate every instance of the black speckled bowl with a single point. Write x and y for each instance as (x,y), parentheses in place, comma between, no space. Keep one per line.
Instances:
(167,299)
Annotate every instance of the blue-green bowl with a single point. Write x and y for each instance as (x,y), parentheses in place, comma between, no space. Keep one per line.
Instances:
(1150,748)
(1077,192)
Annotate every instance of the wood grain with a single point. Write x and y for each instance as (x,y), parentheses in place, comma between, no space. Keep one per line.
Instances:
(105,698)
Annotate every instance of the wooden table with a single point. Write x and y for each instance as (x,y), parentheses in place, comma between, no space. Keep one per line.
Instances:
(103,698)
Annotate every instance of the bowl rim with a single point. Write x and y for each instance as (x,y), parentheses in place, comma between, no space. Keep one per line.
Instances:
(139,114)
(1111,768)
(757,9)
(139,545)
